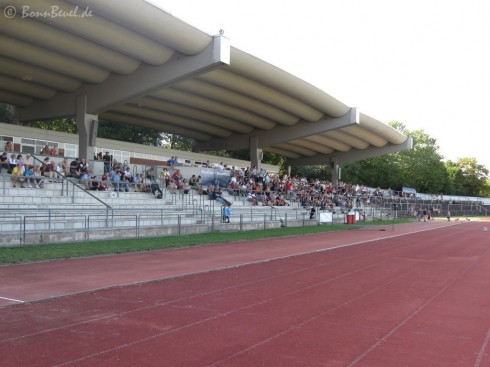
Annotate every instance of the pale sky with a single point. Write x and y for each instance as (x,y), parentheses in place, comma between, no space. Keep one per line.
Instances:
(425,63)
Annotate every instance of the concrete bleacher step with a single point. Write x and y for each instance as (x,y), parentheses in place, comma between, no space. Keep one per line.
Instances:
(33,215)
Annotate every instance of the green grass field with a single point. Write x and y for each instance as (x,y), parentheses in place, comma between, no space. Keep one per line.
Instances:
(19,254)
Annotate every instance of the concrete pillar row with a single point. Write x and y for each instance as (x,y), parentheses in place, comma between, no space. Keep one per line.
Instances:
(87,125)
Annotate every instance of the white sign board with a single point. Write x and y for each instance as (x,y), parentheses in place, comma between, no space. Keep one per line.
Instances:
(326,217)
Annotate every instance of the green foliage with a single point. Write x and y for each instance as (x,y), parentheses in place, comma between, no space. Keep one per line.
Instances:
(177,142)
(422,167)
(129,133)
(5,113)
(312,172)
(467,177)
(66,125)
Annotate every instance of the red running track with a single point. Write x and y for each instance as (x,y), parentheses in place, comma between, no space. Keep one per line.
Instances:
(418,296)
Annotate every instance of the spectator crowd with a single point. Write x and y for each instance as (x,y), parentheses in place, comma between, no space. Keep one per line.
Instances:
(256,186)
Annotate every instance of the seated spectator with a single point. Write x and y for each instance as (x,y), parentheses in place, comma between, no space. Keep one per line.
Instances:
(38,176)
(64,167)
(9,147)
(29,173)
(29,161)
(125,180)
(128,175)
(115,177)
(54,151)
(138,182)
(20,159)
(18,175)
(83,166)
(50,170)
(104,183)
(218,196)
(86,180)
(172,186)
(252,198)
(193,181)
(46,150)
(170,162)
(186,188)
(74,170)
(12,161)
(177,177)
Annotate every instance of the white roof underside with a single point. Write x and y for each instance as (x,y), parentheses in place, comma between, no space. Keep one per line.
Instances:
(138,64)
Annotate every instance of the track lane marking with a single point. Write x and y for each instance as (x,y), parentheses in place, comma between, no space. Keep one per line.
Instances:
(12,299)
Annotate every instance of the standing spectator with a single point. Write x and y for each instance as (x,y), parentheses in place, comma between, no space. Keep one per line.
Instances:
(165,177)
(9,147)
(107,162)
(4,163)
(54,151)
(150,175)
(227,213)
(448,215)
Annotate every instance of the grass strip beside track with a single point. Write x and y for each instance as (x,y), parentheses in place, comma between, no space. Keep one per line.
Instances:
(20,254)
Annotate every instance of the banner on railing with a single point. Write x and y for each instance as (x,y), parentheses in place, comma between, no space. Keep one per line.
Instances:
(215,177)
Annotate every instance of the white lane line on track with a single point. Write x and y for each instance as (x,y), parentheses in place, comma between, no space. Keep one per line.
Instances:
(12,299)
(483,350)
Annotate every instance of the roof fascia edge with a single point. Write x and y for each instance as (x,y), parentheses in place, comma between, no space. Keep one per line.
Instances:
(118,89)
(282,134)
(354,155)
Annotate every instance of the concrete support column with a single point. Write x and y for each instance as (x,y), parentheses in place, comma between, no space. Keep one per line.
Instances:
(87,125)
(256,153)
(336,170)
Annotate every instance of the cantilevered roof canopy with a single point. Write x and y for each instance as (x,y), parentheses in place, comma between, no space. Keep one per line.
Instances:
(135,63)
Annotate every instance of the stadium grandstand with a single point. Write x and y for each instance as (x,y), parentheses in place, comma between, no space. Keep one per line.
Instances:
(156,71)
